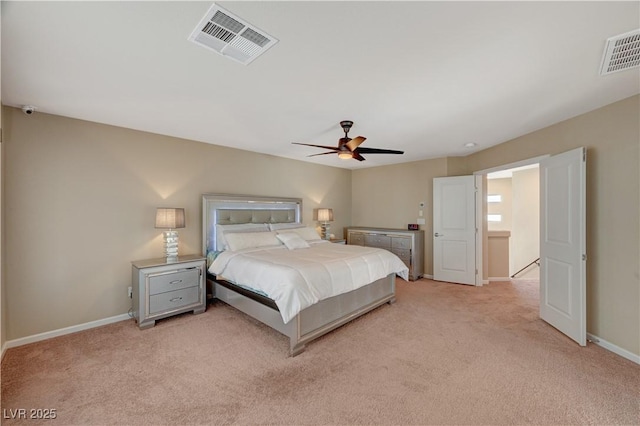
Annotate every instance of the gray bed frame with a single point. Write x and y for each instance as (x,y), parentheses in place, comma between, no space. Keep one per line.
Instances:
(311,322)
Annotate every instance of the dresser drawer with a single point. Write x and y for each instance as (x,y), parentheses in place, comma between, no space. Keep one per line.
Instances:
(173,299)
(403,254)
(356,238)
(174,280)
(376,240)
(401,242)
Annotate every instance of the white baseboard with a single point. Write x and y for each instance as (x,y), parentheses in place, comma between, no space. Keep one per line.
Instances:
(499,279)
(4,349)
(62,331)
(613,348)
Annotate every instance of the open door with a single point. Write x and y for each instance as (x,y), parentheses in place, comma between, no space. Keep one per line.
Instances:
(454,229)
(563,243)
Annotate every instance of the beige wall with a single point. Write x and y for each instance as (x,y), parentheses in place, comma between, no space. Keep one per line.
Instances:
(502,187)
(80,202)
(390,197)
(612,137)
(498,254)
(525,230)
(3,299)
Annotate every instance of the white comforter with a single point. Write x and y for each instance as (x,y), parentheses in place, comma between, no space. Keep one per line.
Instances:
(296,279)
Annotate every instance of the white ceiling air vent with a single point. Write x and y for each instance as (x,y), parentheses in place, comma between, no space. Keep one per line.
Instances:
(227,34)
(621,53)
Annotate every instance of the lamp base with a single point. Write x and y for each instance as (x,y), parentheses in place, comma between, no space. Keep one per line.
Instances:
(171,245)
(325,231)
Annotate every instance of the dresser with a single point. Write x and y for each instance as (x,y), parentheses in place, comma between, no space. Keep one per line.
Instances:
(407,245)
(161,289)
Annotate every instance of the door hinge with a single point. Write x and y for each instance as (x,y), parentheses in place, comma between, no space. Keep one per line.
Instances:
(584,257)
(584,155)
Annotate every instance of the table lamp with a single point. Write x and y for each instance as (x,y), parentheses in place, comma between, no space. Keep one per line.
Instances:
(325,216)
(170,218)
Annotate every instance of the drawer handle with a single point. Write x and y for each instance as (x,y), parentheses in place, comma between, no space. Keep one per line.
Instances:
(175,299)
(175,282)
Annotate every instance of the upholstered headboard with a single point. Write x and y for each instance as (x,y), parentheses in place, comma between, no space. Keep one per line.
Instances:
(224,209)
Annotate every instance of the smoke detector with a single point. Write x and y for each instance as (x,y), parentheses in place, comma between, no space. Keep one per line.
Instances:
(621,53)
(224,33)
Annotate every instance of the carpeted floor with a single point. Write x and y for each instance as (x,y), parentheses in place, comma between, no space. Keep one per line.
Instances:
(442,354)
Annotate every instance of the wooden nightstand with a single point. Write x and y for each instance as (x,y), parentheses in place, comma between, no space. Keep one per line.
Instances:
(161,288)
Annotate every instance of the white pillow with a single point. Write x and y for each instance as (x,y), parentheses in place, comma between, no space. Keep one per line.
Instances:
(242,240)
(292,240)
(289,225)
(307,233)
(221,230)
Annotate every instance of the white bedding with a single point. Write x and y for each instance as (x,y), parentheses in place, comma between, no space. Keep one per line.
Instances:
(296,279)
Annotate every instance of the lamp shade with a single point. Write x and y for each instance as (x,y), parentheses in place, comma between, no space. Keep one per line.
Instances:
(169,218)
(325,215)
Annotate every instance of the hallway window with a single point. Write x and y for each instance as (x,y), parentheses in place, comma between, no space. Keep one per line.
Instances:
(494,218)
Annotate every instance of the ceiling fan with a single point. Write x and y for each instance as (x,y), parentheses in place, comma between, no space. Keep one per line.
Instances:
(350,148)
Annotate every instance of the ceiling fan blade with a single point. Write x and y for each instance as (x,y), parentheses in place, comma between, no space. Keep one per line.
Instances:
(322,153)
(357,156)
(317,146)
(355,142)
(377,151)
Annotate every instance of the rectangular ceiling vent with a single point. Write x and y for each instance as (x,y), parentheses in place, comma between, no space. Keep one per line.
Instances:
(230,36)
(621,53)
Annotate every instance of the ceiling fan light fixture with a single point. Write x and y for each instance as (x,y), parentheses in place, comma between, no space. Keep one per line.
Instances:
(350,148)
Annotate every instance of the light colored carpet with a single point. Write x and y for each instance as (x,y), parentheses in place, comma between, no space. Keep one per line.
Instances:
(443,354)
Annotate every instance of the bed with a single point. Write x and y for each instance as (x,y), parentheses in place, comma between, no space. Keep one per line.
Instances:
(252,246)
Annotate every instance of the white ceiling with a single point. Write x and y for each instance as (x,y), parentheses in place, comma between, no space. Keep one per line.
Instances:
(423,77)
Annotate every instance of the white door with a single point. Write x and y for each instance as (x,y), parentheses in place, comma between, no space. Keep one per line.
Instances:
(563,243)
(454,229)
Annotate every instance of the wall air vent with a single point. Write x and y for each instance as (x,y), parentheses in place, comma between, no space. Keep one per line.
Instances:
(621,53)
(230,36)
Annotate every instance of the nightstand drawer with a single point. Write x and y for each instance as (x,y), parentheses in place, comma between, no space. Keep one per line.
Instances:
(173,299)
(174,280)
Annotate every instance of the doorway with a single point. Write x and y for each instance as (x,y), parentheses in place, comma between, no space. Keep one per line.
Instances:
(483,207)
(513,223)
(562,242)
